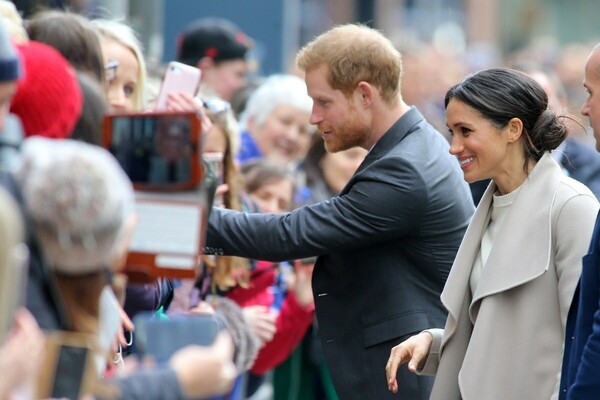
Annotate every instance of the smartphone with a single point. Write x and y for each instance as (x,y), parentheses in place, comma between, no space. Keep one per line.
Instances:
(159,151)
(161,154)
(160,338)
(69,370)
(178,78)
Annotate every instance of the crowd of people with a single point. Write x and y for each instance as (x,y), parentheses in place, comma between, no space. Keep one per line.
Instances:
(354,227)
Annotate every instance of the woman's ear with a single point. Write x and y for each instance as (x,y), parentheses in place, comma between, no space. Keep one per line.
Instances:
(515,129)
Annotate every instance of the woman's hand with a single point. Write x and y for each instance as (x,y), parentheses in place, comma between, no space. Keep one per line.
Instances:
(126,326)
(261,321)
(183,102)
(414,350)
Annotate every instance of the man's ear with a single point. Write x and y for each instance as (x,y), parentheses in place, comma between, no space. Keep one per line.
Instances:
(515,129)
(366,92)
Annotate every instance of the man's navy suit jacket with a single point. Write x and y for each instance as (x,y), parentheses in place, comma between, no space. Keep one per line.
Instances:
(580,377)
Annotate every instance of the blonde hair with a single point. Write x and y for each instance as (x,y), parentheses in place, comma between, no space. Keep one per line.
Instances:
(229,271)
(12,21)
(355,53)
(125,36)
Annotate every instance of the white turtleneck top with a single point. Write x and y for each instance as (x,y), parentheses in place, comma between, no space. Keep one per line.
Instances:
(500,206)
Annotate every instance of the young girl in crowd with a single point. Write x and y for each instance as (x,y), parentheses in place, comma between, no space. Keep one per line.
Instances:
(512,282)
(278,289)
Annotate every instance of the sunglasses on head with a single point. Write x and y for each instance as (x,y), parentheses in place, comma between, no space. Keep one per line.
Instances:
(216,105)
(110,70)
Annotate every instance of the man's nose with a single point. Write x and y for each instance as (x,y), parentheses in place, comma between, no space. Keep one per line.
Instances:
(315,117)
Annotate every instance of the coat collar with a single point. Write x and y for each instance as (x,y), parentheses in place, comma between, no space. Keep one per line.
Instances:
(528,223)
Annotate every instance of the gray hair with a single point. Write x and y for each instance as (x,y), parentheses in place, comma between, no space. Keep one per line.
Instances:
(78,199)
(275,91)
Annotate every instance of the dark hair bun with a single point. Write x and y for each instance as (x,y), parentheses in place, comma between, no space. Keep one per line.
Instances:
(548,132)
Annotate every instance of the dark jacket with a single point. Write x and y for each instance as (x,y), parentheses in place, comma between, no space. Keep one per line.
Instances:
(581,360)
(385,247)
(582,163)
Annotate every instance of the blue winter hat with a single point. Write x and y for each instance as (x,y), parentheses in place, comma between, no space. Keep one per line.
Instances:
(9,61)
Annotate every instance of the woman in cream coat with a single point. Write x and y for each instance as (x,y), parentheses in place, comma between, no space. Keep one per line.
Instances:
(512,282)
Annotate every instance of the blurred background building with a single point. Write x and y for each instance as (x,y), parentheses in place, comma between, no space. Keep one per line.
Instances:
(441,40)
(489,26)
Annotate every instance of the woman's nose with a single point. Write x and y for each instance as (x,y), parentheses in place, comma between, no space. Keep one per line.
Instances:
(456,147)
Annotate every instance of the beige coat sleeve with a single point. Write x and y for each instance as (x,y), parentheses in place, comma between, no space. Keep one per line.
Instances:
(433,359)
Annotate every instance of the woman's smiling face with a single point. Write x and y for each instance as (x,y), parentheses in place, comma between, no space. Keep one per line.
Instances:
(481,147)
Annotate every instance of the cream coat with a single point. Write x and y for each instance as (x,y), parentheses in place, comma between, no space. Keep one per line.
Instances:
(523,297)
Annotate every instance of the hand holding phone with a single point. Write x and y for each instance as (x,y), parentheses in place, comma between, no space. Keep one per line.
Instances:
(69,369)
(160,338)
(178,78)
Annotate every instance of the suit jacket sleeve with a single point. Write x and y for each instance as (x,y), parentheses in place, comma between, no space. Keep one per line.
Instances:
(387,199)
(587,384)
(587,381)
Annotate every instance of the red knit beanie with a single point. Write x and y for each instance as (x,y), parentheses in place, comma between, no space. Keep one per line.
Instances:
(48,98)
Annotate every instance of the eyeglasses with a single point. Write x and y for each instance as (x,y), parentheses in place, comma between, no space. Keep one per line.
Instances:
(110,70)
(216,105)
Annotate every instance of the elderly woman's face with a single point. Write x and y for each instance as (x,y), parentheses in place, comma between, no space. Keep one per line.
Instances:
(285,134)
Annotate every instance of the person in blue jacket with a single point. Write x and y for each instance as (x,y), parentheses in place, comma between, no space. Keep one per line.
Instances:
(580,377)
